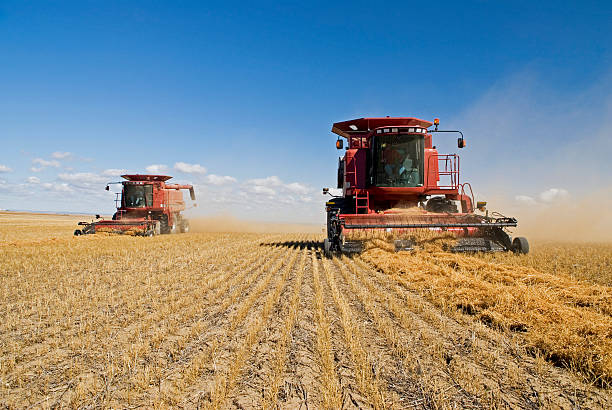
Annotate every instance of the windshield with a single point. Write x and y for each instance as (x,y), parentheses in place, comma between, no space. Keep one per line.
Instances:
(134,195)
(398,160)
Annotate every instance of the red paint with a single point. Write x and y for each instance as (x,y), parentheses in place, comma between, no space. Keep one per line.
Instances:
(160,205)
(440,175)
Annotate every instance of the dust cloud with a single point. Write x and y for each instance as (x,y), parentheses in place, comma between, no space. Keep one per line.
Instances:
(585,219)
(229,223)
(532,137)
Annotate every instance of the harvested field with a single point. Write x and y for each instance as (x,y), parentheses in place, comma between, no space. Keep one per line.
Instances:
(261,320)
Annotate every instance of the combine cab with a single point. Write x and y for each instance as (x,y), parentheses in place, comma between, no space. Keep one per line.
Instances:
(146,206)
(396,184)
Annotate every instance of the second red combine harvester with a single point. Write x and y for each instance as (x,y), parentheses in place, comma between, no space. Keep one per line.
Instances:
(394,181)
(147,206)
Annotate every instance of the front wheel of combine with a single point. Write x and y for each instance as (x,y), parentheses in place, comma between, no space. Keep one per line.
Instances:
(327,248)
(78,232)
(520,245)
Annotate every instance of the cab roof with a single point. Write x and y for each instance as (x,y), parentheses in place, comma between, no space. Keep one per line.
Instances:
(140,177)
(368,124)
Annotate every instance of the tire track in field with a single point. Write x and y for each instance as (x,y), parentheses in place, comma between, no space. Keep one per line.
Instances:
(225,381)
(367,380)
(302,377)
(330,385)
(261,376)
(480,360)
(204,357)
(279,361)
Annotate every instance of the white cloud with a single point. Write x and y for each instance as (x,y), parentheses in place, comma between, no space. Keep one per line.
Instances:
(82,178)
(190,168)
(62,187)
(273,185)
(298,188)
(554,195)
(269,181)
(525,199)
(220,180)
(157,169)
(61,155)
(35,169)
(550,196)
(114,172)
(266,198)
(4,168)
(259,189)
(33,180)
(45,163)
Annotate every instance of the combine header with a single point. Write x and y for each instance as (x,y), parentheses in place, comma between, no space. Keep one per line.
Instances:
(146,206)
(394,183)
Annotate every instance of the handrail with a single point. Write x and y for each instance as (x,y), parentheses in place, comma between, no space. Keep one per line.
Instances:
(451,169)
(463,191)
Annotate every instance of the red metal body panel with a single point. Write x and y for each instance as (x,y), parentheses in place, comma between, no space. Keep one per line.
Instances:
(356,171)
(441,173)
(141,177)
(389,174)
(159,206)
(368,124)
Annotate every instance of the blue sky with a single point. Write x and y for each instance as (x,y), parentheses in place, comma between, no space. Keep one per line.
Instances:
(249,91)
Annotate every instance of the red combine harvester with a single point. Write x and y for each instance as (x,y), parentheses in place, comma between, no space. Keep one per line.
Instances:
(394,181)
(146,206)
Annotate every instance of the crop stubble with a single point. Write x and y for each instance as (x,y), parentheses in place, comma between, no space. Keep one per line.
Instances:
(263,321)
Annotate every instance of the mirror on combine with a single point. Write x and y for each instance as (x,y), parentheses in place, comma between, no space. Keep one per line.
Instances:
(339,144)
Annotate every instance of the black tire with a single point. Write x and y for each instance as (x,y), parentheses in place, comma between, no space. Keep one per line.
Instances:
(327,248)
(164,228)
(520,245)
(78,232)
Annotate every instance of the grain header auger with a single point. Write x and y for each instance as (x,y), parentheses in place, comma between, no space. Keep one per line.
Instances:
(395,184)
(146,206)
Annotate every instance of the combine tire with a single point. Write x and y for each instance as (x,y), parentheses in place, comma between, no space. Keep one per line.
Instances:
(154,229)
(165,227)
(78,232)
(327,248)
(520,245)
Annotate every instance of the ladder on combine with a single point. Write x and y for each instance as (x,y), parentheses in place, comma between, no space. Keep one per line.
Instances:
(362,202)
